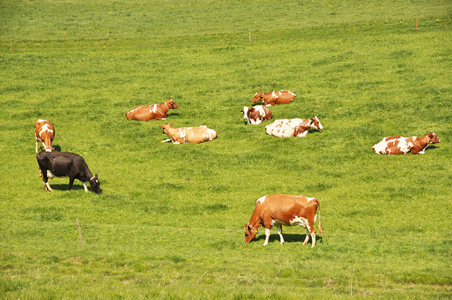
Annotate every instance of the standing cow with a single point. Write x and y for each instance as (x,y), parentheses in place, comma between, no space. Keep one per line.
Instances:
(396,145)
(275,97)
(149,112)
(45,133)
(256,115)
(188,134)
(293,127)
(288,210)
(62,164)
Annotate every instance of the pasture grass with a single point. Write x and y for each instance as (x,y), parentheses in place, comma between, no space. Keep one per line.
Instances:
(169,223)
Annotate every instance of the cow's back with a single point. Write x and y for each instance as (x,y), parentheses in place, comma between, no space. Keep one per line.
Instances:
(61,163)
(393,145)
(284,207)
(199,134)
(280,128)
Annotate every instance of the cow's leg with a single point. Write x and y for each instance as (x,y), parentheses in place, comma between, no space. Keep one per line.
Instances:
(71,182)
(267,236)
(167,140)
(85,187)
(313,238)
(46,180)
(281,239)
(47,186)
(306,240)
(37,144)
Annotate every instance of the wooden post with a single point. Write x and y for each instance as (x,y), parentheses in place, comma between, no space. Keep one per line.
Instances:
(80,233)
(249,34)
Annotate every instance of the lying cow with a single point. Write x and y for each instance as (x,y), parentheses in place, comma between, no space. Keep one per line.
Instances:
(62,164)
(188,134)
(275,97)
(149,112)
(256,115)
(293,127)
(45,133)
(396,145)
(288,210)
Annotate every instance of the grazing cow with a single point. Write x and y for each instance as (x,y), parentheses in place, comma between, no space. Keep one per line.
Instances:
(188,134)
(288,210)
(149,112)
(396,145)
(257,114)
(293,127)
(44,132)
(62,164)
(275,97)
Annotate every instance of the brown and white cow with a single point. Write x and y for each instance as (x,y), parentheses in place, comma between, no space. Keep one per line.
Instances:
(257,114)
(288,210)
(188,134)
(396,145)
(275,97)
(149,112)
(44,132)
(293,127)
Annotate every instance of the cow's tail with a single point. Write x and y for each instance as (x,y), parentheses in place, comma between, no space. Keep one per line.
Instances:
(320,223)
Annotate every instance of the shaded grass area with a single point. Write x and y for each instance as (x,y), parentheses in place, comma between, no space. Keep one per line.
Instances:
(170,221)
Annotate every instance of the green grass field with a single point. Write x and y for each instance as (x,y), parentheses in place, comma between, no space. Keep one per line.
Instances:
(169,223)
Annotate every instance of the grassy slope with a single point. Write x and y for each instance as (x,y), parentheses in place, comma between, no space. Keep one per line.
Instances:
(169,222)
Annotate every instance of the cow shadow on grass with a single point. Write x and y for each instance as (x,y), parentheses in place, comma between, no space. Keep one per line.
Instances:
(176,114)
(432,147)
(288,238)
(63,187)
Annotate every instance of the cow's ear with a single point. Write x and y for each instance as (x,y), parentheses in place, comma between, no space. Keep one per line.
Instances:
(97,177)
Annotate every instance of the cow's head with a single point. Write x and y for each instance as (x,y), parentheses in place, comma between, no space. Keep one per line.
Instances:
(48,148)
(171,104)
(250,232)
(165,127)
(433,138)
(258,97)
(315,123)
(95,184)
(245,112)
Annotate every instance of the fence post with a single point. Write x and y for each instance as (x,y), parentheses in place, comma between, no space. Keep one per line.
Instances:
(80,233)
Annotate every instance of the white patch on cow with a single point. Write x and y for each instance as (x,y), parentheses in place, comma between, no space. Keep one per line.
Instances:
(405,146)
(261,199)
(300,221)
(153,108)
(212,133)
(380,147)
(182,132)
(245,112)
(276,222)
(45,128)
(310,199)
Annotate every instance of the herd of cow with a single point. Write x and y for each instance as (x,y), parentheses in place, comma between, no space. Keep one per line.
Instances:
(271,210)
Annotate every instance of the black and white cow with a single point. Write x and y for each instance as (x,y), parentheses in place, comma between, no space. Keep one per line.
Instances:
(62,164)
